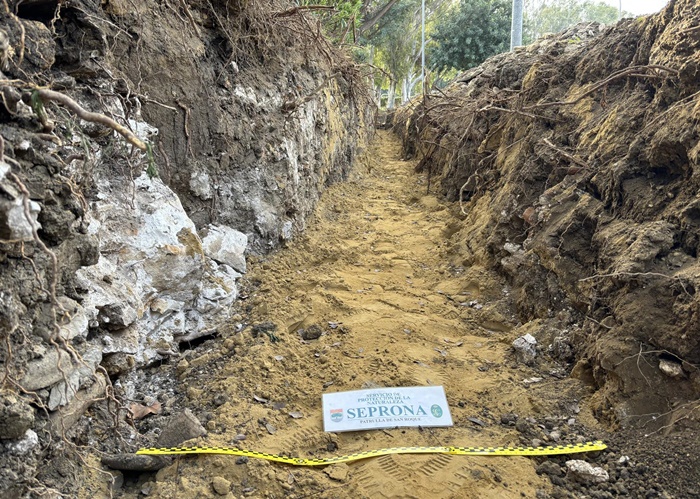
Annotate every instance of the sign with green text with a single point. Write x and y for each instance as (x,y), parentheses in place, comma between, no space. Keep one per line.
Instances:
(378,408)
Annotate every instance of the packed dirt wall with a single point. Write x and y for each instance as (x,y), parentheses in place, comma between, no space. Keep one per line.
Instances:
(575,161)
(147,148)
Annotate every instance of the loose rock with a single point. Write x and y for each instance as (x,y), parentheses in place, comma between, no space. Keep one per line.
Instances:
(115,316)
(671,369)
(135,462)
(311,333)
(179,428)
(28,443)
(583,472)
(220,485)
(525,349)
(47,370)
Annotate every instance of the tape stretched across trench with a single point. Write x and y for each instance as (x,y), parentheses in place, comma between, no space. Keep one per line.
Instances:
(552,450)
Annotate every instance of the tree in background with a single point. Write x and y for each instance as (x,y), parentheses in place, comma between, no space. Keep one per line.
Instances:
(473,31)
(552,16)
(385,34)
(394,41)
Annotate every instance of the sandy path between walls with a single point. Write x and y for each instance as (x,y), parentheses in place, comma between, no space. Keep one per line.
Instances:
(379,273)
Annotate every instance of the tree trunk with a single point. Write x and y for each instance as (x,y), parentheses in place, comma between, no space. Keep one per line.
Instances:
(414,83)
(391,97)
(377,88)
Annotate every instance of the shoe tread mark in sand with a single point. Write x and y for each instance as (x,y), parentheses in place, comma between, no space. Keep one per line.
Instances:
(394,477)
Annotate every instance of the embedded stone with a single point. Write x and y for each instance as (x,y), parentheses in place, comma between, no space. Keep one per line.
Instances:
(226,245)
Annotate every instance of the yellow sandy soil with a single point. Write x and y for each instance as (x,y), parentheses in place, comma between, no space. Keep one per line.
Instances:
(382,259)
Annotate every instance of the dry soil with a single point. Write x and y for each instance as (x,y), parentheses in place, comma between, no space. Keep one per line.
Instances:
(375,272)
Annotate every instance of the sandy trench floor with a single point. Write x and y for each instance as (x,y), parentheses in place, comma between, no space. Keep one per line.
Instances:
(381,261)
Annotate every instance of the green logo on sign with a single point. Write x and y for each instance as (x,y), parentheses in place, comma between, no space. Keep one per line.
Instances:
(436,411)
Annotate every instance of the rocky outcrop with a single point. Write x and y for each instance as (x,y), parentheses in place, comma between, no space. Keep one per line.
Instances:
(112,257)
(575,161)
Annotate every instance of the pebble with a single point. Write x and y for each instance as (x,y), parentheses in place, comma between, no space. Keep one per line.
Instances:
(311,333)
(671,369)
(509,419)
(220,485)
(549,468)
(522,426)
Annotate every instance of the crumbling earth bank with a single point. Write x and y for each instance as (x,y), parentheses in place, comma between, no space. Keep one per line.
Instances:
(576,163)
(106,267)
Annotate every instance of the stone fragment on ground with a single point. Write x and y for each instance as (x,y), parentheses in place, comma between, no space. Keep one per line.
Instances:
(584,472)
(525,349)
(313,332)
(220,485)
(135,462)
(671,369)
(180,428)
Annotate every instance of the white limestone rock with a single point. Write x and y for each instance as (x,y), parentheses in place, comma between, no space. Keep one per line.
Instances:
(154,285)
(226,245)
(584,472)
(525,348)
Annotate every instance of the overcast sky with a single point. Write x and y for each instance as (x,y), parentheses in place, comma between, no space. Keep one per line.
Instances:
(639,6)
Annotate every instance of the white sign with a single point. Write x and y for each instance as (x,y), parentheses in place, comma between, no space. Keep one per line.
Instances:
(385,408)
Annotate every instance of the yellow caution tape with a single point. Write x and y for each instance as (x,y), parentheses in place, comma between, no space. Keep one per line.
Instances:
(458,451)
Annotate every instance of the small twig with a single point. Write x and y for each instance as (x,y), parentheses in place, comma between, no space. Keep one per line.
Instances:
(639,356)
(461,191)
(187,129)
(673,420)
(189,16)
(165,157)
(629,274)
(598,322)
(649,352)
(505,110)
(51,95)
(148,99)
(568,156)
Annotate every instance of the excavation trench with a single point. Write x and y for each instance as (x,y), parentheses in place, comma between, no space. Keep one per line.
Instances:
(376,273)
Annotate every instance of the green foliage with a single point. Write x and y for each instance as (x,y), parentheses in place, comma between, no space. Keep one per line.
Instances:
(395,37)
(336,21)
(38,107)
(472,32)
(552,16)
(151,169)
